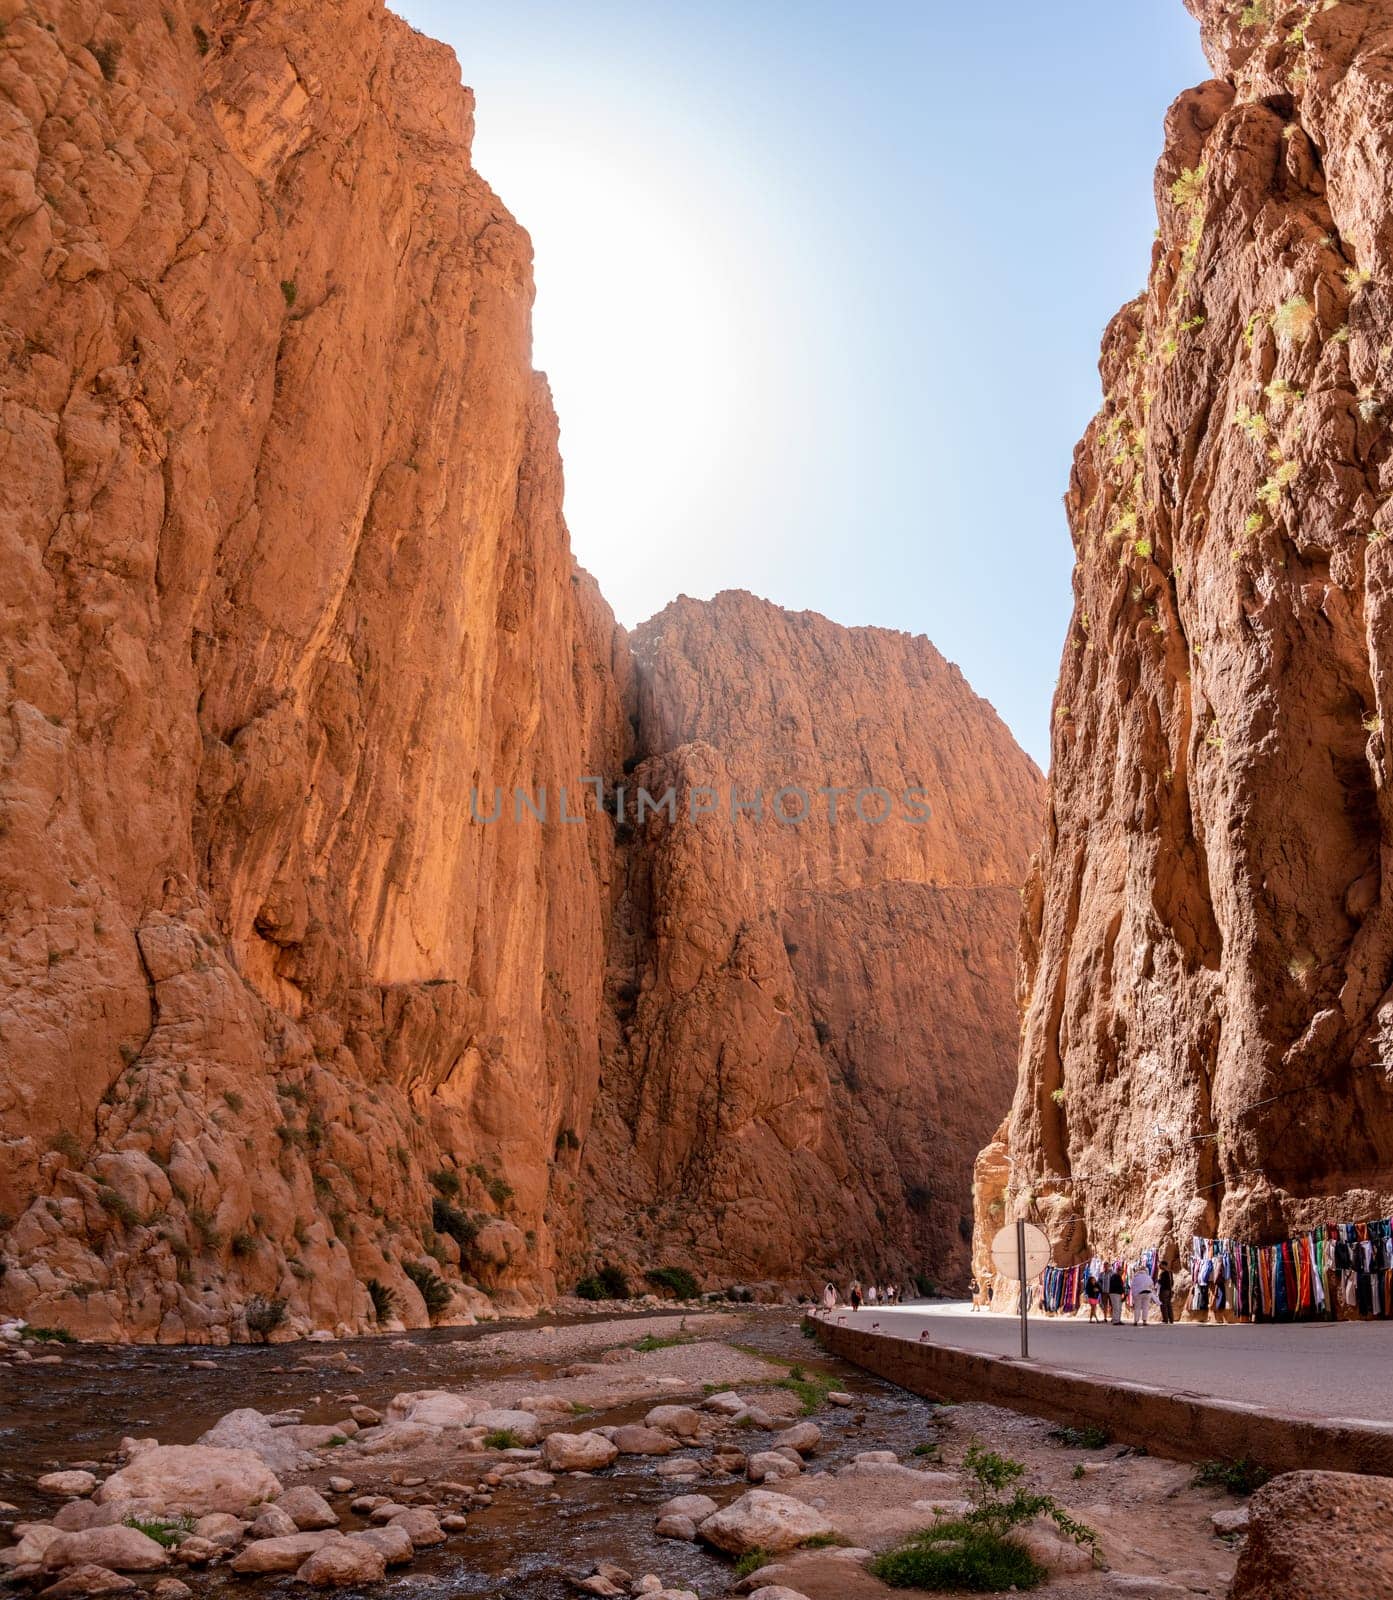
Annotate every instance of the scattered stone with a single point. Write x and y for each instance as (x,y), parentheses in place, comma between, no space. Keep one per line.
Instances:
(770,1465)
(247,1429)
(220,1527)
(523,1425)
(196,1552)
(88,1579)
(596,1584)
(172,1589)
(577,1452)
(1317,1534)
(272,1523)
(683,1421)
(454,1522)
(67,1486)
(121,1548)
(431,1408)
(308,1509)
(839,1397)
(777,1591)
(280,1555)
(365,1416)
(755,1417)
(633,1440)
(204,1366)
(367,1502)
(530,1478)
(804,1437)
(74,1515)
(341,1485)
(344,1562)
(676,1526)
(1230,1520)
(695,1506)
(193,1478)
(387,1510)
(760,1520)
(726,1404)
(874,1456)
(421,1526)
(1141,1588)
(1057,1556)
(393,1544)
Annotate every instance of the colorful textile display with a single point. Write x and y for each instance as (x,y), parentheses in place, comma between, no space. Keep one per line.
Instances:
(1346,1263)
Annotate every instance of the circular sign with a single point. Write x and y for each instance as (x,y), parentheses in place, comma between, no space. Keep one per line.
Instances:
(1006,1259)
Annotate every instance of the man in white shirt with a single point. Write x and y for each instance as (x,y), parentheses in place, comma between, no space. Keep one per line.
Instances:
(1142,1287)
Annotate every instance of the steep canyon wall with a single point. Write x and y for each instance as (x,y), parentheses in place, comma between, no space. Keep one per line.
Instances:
(286,576)
(1208,935)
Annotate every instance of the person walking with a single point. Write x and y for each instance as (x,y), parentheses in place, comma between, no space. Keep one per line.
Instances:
(1142,1287)
(1116,1290)
(1091,1292)
(1165,1292)
(855,1295)
(976,1295)
(829,1297)
(871,1295)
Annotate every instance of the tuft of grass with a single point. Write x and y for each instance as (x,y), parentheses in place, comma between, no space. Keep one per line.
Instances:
(47,1335)
(446,1183)
(264,1314)
(501,1439)
(609,1283)
(165,1531)
(752,1561)
(651,1341)
(1293,319)
(242,1245)
(66,1145)
(384,1300)
(1238,1477)
(289,291)
(931,1451)
(120,1208)
(108,58)
(960,1557)
(433,1288)
(461,1226)
(812,1391)
(676,1280)
(1188,187)
(234,1100)
(201,40)
(1089,1438)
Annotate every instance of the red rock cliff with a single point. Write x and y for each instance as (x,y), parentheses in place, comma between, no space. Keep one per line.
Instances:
(285,577)
(1208,941)
(817,1019)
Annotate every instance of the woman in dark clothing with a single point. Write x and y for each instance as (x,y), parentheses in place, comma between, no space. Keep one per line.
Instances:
(1116,1290)
(1165,1292)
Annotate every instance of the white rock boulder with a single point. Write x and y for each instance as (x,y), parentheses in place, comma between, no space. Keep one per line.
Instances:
(191,1477)
(578,1452)
(762,1520)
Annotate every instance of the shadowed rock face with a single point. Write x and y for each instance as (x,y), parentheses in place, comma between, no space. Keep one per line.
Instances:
(1208,937)
(286,576)
(822,1024)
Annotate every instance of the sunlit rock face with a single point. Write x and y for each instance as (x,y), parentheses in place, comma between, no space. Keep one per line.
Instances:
(285,1031)
(1208,943)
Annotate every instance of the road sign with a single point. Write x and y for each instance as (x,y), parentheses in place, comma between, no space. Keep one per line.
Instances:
(1037,1251)
(1022,1252)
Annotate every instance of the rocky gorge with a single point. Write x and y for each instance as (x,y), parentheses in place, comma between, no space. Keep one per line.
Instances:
(292,1037)
(1206,941)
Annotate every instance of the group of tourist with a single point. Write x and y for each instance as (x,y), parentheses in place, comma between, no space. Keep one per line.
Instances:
(1142,1286)
(873,1295)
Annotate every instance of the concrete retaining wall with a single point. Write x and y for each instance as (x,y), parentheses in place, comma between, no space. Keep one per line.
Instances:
(1190,1427)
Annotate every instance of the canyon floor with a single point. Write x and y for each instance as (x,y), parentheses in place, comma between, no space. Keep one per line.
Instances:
(517,1532)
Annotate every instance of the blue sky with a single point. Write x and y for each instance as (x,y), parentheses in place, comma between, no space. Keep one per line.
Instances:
(820,290)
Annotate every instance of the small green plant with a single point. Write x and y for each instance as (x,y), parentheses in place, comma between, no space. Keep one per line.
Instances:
(289,291)
(500,1191)
(120,1208)
(918,1197)
(446,1183)
(609,1283)
(1188,187)
(66,1145)
(931,1451)
(461,1226)
(501,1439)
(201,39)
(108,58)
(234,1100)
(264,1314)
(1238,1477)
(812,1389)
(1057,1095)
(1293,319)
(566,1139)
(384,1300)
(1357,278)
(1086,1438)
(1256,14)
(651,1341)
(1077,1473)
(165,1531)
(959,1557)
(752,1561)
(676,1280)
(433,1288)
(47,1335)
(242,1245)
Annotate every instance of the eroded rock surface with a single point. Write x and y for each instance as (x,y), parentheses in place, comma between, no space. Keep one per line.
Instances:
(1208,939)
(286,578)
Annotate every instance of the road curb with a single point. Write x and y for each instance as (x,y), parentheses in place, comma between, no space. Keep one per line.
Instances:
(1188,1426)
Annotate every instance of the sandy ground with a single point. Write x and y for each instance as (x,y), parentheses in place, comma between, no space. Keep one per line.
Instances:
(1300,1368)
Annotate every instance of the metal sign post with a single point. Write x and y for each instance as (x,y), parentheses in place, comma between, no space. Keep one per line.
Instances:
(1020,1264)
(1021,1251)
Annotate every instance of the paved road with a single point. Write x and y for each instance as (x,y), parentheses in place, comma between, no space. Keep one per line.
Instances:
(1335,1370)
